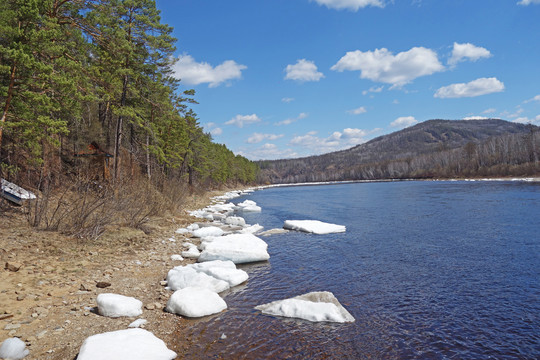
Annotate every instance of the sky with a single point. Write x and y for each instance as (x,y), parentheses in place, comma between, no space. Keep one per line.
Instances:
(281,79)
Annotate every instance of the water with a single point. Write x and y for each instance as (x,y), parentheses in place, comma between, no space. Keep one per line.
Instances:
(429,270)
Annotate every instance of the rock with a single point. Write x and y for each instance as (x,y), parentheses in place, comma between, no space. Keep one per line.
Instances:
(149,306)
(13,266)
(12,326)
(103,284)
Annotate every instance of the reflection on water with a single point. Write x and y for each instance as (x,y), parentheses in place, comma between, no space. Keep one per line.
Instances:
(428,270)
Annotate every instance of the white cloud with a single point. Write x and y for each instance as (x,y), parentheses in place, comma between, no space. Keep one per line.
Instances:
(291,120)
(241,120)
(287,99)
(383,66)
(468,51)
(337,141)
(475,118)
(482,86)
(357,111)
(403,122)
(194,73)
(268,151)
(353,5)
(303,70)
(373,89)
(536,98)
(213,129)
(489,111)
(528,2)
(258,137)
(526,120)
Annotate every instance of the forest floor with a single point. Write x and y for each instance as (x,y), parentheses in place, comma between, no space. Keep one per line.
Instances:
(49,282)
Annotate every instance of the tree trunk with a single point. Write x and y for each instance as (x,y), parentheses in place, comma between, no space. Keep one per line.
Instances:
(119,126)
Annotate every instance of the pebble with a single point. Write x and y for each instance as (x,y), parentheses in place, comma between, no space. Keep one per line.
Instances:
(12,326)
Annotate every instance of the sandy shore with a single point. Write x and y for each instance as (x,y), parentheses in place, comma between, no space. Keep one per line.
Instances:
(49,301)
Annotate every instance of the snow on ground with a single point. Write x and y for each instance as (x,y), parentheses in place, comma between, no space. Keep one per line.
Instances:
(314,306)
(313,226)
(13,349)
(133,344)
(235,220)
(195,302)
(239,248)
(114,305)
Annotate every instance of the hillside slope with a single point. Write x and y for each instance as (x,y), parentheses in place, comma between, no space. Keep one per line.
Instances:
(429,137)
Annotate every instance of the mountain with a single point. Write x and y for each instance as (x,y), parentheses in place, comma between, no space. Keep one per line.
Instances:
(366,161)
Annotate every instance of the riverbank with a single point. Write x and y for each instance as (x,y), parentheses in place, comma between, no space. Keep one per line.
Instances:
(49,282)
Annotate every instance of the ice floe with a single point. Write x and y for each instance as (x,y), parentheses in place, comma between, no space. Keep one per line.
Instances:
(195,302)
(273,232)
(133,344)
(177,257)
(248,206)
(13,349)
(313,226)
(208,231)
(314,306)
(217,276)
(239,248)
(114,305)
(192,252)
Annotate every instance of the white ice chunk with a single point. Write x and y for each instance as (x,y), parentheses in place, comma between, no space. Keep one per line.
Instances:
(239,248)
(114,305)
(314,306)
(177,257)
(192,227)
(187,276)
(251,229)
(182,231)
(133,344)
(235,220)
(313,226)
(208,231)
(248,206)
(195,302)
(137,323)
(223,270)
(273,232)
(13,349)
(191,253)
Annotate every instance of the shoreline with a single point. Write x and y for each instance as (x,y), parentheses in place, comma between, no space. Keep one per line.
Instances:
(49,302)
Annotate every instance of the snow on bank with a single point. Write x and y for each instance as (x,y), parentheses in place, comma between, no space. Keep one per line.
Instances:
(13,349)
(238,248)
(313,226)
(314,306)
(248,206)
(195,302)
(133,344)
(114,305)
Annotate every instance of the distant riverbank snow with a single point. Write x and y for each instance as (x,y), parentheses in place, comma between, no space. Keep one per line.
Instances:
(313,226)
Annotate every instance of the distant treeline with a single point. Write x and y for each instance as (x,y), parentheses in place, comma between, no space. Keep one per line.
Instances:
(81,72)
(430,150)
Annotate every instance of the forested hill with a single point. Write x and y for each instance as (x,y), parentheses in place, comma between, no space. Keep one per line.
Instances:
(82,80)
(434,148)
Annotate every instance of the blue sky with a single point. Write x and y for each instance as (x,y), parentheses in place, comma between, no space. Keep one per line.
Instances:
(292,78)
